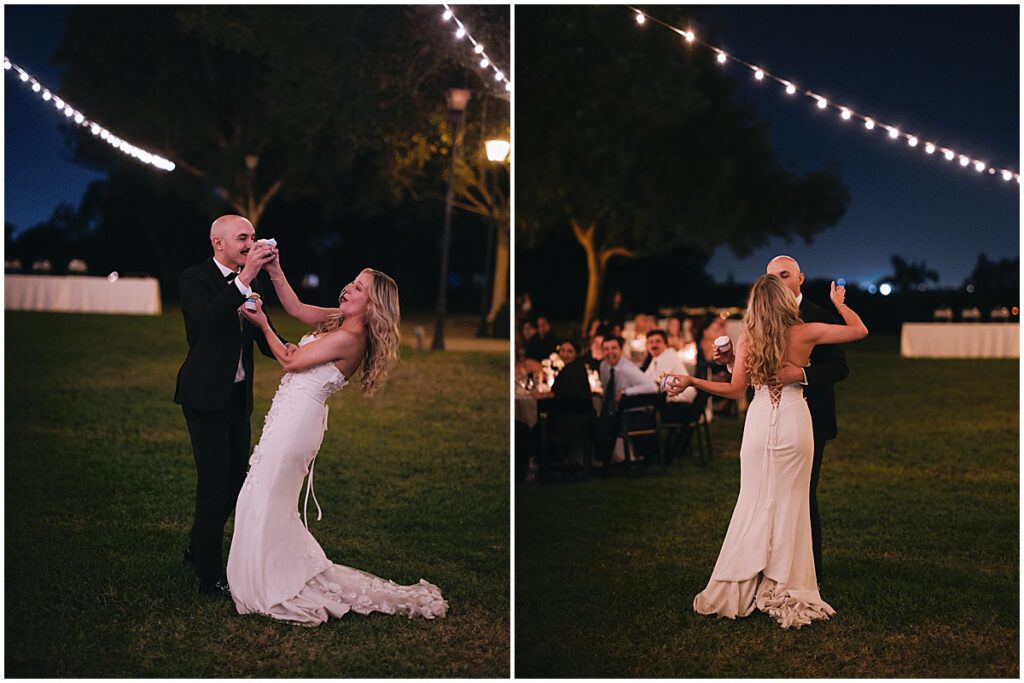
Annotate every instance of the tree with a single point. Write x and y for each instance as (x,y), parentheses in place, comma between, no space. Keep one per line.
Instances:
(908,275)
(638,149)
(253,101)
(481,186)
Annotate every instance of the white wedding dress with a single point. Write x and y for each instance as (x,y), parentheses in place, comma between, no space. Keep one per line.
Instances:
(766,559)
(275,566)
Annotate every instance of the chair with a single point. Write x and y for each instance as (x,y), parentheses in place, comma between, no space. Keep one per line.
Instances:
(683,426)
(639,415)
(564,422)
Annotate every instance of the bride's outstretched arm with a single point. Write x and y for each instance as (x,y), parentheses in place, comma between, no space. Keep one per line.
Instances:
(310,315)
(733,389)
(854,329)
(332,347)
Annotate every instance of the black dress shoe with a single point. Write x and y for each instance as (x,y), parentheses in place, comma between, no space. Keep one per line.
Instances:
(188,559)
(217,588)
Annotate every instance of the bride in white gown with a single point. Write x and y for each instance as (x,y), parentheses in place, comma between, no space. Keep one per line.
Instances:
(275,566)
(766,559)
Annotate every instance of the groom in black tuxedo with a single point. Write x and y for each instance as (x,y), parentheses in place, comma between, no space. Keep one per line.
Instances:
(828,366)
(214,386)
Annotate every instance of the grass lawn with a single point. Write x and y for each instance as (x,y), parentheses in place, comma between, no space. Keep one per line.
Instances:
(100,493)
(919,500)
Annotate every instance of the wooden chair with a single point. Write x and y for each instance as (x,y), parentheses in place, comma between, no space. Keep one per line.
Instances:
(638,415)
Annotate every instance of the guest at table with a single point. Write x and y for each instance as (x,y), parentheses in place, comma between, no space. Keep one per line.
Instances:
(541,345)
(674,334)
(661,361)
(595,354)
(572,380)
(708,328)
(618,376)
(615,313)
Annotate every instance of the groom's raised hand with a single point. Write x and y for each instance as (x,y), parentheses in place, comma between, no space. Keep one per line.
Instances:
(258,256)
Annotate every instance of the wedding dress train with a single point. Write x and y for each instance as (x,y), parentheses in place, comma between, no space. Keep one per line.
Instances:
(766,559)
(275,566)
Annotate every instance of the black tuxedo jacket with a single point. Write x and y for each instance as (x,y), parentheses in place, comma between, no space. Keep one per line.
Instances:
(216,334)
(828,366)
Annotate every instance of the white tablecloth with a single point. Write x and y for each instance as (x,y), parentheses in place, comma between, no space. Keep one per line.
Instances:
(82,294)
(960,340)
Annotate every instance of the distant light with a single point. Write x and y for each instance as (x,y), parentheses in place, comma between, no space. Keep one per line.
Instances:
(790,89)
(930,148)
(23,76)
(872,289)
(497,150)
(479,48)
(640,18)
(113,277)
(759,75)
(484,62)
(1007,175)
(1015,310)
(894,132)
(885,289)
(721,57)
(499,76)
(846,114)
(979,166)
(36,87)
(912,141)
(689,36)
(79,118)
(949,155)
(95,128)
(869,124)
(447,15)
(460,33)
(964,160)
(970,288)
(822,103)
(46,96)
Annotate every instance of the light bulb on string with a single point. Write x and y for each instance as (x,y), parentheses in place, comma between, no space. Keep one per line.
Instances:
(7,64)
(790,89)
(95,129)
(508,86)
(640,18)
(949,155)
(69,112)
(822,103)
(1007,175)
(847,114)
(979,166)
(912,141)
(23,76)
(447,15)
(479,48)
(930,148)
(869,123)
(36,87)
(894,132)
(964,160)
(79,118)
(461,33)
(689,36)
(499,76)
(759,75)
(46,96)
(721,57)
(484,62)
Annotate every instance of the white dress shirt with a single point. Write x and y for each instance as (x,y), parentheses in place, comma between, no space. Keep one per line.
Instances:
(669,363)
(629,379)
(246,291)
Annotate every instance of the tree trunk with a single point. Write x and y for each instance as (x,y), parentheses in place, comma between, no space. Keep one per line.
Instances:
(499,289)
(595,270)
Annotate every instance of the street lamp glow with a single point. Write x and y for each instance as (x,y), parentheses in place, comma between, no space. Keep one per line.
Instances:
(497,150)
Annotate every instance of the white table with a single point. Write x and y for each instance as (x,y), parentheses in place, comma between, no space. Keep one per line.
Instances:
(80,294)
(960,340)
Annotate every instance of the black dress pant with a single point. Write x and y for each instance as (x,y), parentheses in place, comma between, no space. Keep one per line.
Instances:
(819,450)
(220,445)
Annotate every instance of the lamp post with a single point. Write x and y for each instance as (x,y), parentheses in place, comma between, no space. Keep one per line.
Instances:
(497,153)
(457,100)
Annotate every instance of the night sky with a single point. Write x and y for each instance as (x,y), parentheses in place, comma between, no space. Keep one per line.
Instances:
(946,72)
(950,73)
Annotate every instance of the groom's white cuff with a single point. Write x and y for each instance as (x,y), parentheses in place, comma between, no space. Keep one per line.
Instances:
(246,291)
(804,373)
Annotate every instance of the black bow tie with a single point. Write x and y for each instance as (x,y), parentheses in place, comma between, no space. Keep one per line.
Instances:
(230,277)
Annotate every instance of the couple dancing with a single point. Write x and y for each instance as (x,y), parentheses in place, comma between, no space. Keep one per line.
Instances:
(275,566)
(773,545)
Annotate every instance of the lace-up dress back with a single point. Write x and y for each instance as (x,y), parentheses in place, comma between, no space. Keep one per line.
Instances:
(275,566)
(766,559)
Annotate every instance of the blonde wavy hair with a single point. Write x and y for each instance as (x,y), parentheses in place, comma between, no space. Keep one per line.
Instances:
(382,332)
(771,311)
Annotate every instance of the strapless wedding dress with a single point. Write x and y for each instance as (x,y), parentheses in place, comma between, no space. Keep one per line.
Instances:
(275,566)
(766,559)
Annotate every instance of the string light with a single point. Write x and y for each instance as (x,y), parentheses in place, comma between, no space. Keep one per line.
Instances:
(478,47)
(846,113)
(81,120)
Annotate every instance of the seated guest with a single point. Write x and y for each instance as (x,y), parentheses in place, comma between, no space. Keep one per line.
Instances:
(595,354)
(665,361)
(572,380)
(618,376)
(542,344)
(674,334)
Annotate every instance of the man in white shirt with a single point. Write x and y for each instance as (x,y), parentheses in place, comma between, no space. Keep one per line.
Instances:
(665,361)
(618,376)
